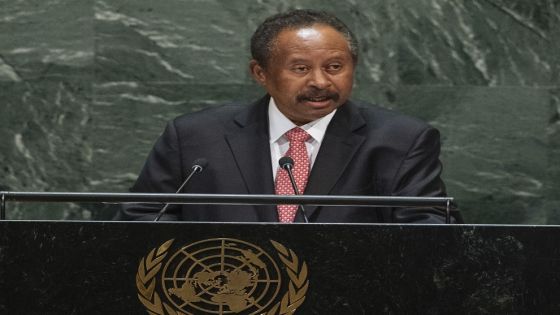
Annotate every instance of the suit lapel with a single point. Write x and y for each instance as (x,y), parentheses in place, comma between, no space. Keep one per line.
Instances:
(250,147)
(249,144)
(339,146)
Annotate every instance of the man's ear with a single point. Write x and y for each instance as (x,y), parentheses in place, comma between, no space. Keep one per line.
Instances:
(257,72)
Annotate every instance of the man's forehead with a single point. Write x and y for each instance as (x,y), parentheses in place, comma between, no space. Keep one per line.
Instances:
(311,36)
(307,32)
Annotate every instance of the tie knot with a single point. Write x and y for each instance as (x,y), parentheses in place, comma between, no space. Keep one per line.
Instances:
(297,134)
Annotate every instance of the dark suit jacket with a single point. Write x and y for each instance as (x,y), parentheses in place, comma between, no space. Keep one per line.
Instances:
(366,151)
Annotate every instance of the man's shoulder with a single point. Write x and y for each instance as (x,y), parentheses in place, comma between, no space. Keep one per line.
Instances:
(212,113)
(227,115)
(377,115)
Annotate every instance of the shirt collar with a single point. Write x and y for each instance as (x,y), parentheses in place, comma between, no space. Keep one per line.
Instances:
(280,124)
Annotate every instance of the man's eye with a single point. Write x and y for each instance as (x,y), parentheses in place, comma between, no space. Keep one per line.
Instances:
(334,67)
(300,69)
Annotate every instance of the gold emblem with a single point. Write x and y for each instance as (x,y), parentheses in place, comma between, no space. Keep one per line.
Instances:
(221,276)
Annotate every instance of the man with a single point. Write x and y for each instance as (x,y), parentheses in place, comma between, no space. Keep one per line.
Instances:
(305,60)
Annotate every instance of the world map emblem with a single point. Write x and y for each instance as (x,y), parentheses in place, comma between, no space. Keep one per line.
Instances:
(221,276)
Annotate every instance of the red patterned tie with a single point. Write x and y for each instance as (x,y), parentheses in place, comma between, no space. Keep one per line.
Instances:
(298,152)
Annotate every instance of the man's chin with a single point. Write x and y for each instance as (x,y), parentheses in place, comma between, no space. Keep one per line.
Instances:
(315,113)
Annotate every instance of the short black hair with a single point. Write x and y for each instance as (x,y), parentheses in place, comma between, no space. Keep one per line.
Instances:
(262,41)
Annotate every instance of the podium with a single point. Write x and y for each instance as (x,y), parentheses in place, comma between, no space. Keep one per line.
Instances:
(73,267)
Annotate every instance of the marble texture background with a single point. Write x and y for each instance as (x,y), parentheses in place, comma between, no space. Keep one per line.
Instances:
(86,86)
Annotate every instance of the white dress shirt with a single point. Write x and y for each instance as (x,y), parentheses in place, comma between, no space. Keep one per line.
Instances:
(280,124)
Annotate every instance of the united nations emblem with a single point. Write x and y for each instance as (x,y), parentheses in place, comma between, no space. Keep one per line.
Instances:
(221,276)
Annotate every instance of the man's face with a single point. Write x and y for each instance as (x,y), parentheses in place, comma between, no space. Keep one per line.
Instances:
(309,73)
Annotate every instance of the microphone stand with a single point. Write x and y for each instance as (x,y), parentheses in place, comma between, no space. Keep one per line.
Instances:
(287,163)
(198,166)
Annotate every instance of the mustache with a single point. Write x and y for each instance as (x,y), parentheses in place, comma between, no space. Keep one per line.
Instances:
(308,95)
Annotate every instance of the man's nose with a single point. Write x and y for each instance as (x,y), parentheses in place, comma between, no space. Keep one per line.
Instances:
(319,79)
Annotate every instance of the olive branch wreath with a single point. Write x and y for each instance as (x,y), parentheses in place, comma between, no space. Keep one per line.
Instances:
(146,282)
(149,267)
(298,285)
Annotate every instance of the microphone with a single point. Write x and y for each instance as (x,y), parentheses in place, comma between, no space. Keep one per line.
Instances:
(287,163)
(198,166)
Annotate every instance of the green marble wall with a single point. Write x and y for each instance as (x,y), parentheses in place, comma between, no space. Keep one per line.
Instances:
(87,86)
